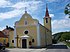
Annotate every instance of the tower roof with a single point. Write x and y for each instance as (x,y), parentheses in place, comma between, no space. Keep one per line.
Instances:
(47,13)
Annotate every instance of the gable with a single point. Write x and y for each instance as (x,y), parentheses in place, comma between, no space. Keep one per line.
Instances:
(26,19)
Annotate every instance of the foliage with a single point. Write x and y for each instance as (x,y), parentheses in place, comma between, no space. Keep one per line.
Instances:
(65,36)
(68,43)
(66,12)
(11,47)
(67,9)
(62,36)
(57,36)
(54,41)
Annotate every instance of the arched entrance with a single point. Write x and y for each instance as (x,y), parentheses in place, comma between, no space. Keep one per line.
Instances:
(24,41)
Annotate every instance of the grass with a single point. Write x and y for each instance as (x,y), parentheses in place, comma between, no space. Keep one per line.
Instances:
(11,47)
(68,44)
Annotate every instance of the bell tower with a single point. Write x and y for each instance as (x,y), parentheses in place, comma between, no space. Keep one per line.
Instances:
(47,20)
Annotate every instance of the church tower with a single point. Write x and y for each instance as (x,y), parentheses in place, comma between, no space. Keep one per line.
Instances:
(47,20)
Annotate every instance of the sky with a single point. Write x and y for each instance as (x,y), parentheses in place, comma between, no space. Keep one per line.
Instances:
(12,10)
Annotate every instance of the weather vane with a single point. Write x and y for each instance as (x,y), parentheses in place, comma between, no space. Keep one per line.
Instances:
(25,7)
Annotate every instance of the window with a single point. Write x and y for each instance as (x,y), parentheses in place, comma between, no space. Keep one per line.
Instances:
(32,40)
(46,20)
(12,41)
(25,16)
(26,32)
(30,43)
(25,22)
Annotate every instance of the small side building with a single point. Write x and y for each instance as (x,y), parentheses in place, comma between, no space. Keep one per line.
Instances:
(6,32)
(3,38)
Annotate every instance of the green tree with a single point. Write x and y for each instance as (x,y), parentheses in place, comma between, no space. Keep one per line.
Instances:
(67,10)
(61,36)
(65,36)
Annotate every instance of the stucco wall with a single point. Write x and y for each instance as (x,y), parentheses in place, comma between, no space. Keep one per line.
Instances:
(42,35)
(2,40)
(32,33)
(31,27)
(46,36)
(11,37)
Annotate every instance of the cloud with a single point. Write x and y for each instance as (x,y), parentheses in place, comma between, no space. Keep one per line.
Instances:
(2,28)
(52,0)
(19,8)
(20,4)
(5,3)
(63,23)
(59,1)
(62,30)
(30,5)
(66,17)
(51,15)
(10,14)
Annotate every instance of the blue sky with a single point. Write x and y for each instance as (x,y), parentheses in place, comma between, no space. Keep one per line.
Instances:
(12,10)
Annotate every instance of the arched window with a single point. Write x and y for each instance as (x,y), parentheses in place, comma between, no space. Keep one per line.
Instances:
(25,22)
(30,43)
(46,20)
(32,40)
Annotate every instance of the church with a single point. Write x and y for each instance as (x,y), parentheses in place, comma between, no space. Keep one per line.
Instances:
(28,32)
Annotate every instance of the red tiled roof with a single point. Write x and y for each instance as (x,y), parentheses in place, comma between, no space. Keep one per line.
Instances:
(3,35)
(47,13)
(6,31)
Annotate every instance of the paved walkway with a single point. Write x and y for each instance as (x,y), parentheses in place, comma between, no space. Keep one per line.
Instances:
(35,50)
(58,50)
(57,47)
(60,45)
(23,50)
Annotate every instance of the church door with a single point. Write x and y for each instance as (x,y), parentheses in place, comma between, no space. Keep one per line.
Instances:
(24,43)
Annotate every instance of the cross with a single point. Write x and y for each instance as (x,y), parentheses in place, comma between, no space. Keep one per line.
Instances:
(25,8)
(17,40)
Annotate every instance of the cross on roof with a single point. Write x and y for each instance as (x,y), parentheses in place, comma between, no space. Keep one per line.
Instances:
(25,8)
